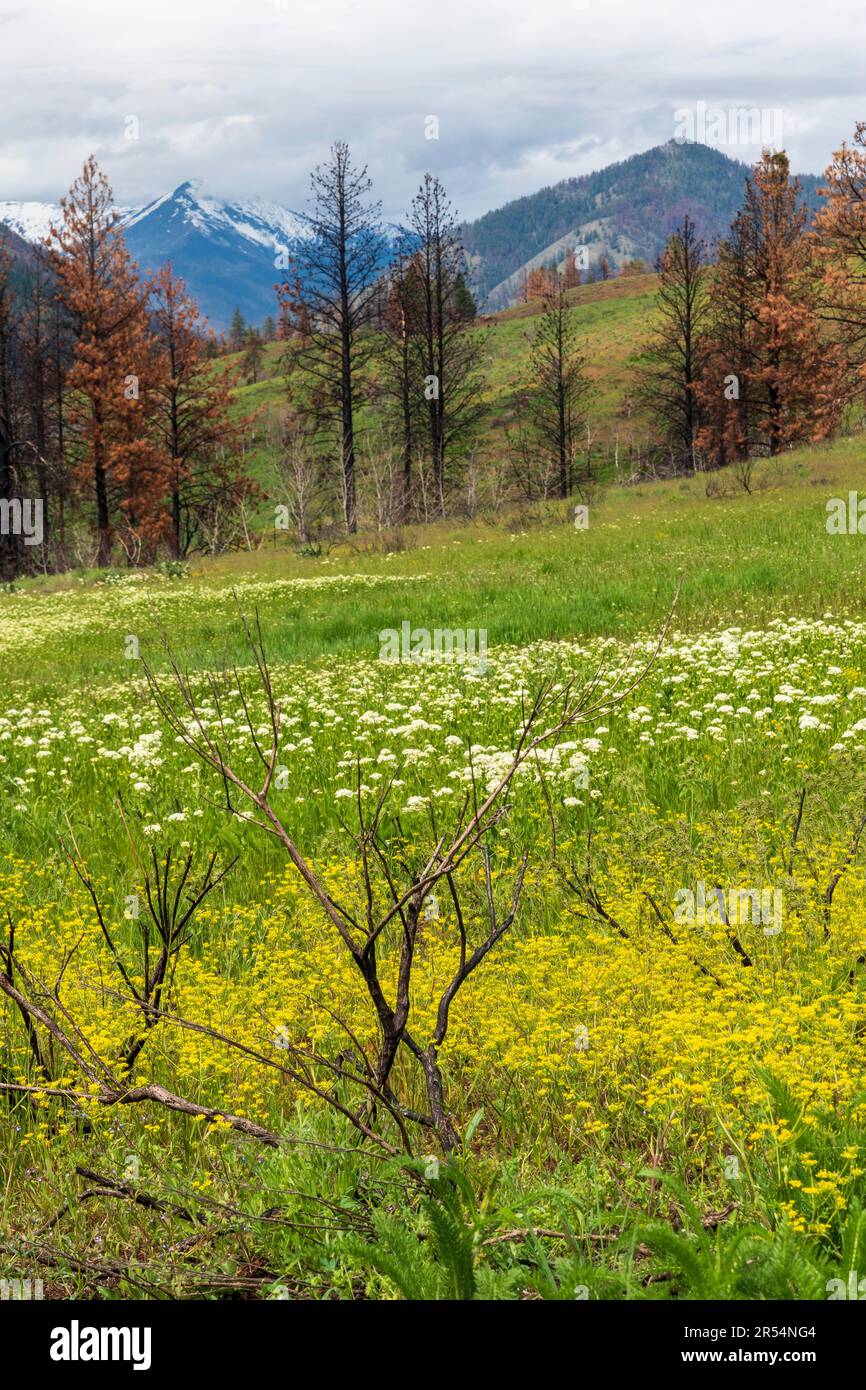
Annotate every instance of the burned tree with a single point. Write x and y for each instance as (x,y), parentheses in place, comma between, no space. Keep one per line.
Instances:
(676,353)
(558,386)
(447,352)
(335,273)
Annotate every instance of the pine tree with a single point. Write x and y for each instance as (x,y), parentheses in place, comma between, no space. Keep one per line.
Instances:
(569,273)
(465,307)
(401,318)
(447,352)
(253,357)
(237,331)
(113,371)
(771,378)
(11,545)
(46,349)
(540,283)
(840,230)
(676,353)
(330,304)
(199,436)
(558,388)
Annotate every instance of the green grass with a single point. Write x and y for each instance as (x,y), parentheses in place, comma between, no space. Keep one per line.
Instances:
(613,317)
(620,1151)
(738,558)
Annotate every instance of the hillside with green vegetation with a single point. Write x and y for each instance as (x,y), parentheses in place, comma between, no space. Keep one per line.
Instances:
(614,319)
(624,211)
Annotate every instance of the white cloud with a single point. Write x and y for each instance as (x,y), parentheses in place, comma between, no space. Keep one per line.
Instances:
(249,97)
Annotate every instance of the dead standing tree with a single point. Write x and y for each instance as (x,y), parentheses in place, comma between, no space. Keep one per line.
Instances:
(338,267)
(163,930)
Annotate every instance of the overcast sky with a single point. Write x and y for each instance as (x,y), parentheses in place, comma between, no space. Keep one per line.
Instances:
(249,94)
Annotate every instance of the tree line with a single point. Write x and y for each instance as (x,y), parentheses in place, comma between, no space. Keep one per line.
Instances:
(383,328)
(112,414)
(117,414)
(764,347)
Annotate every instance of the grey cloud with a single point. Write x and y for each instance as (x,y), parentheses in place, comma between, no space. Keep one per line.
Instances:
(249,98)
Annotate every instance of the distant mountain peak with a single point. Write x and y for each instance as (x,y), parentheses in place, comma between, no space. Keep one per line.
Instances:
(30,220)
(624,211)
(230,252)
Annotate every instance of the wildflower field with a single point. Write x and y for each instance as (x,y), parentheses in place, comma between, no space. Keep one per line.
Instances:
(647,1091)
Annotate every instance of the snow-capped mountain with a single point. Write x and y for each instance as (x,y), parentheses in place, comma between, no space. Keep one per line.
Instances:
(269,224)
(231,254)
(31,221)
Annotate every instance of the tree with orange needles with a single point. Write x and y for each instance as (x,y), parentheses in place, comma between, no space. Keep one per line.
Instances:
(540,283)
(198,439)
(771,378)
(569,273)
(112,377)
(840,237)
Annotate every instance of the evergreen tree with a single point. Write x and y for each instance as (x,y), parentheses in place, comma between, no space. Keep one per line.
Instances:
(464,301)
(569,272)
(253,357)
(331,301)
(447,352)
(840,229)
(11,543)
(676,353)
(114,367)
(237,331)
(771,379)
(198,434)
(397,366)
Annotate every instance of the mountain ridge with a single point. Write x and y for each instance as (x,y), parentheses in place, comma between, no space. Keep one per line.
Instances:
(231,253)
(623,211)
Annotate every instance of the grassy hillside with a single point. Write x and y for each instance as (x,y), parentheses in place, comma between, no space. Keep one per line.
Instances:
(742,559)
(614,319)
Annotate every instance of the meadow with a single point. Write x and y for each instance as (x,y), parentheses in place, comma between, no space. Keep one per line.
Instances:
(646,1104)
